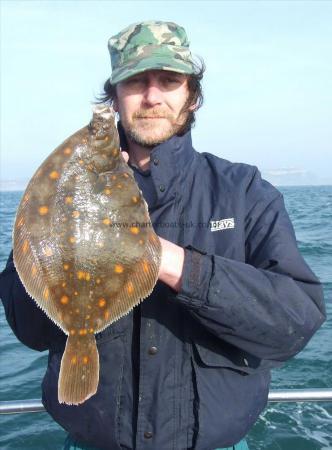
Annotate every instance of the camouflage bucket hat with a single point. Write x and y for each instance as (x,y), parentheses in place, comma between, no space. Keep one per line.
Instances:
(149,45)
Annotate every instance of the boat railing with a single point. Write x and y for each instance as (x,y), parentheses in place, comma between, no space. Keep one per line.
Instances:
(278,395)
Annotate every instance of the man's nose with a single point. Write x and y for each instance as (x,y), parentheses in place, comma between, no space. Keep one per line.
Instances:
(152,95)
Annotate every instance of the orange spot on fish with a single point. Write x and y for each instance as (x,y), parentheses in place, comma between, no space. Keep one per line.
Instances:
(134,199)
(134,230)
(25,246)
(91,330)
(106,314)
(119,185)
(83,332)
(72,332)
(33,270)
(118,268)
(107,191)
(48,251)
(67,151)
(130,288)
(76,293)
(69,200)
(46,293)
(43,210)
(26,197)
(87,317)
(75,214)
(73,360)
(141,242)
(101,302)
(145,266)
(106,221)
(80,161)
(83,275)
(114,177)
(98,280)
(66,266)
(64,299)
(64,284)
(54,175)
(85,360)
(77,310)
(125,175)
(115,152)
(72,239)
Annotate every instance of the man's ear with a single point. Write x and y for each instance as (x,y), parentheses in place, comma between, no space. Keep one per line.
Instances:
(115,105)
(193,107)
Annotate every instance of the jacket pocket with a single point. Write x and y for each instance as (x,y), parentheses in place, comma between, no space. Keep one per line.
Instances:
(227,357)
(229,394)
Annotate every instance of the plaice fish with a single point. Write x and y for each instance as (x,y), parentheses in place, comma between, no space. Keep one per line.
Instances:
(84,247)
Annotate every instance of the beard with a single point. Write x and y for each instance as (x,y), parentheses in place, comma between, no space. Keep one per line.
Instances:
(149,128)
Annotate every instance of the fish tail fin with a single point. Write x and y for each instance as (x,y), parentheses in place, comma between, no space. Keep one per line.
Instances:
(79,371)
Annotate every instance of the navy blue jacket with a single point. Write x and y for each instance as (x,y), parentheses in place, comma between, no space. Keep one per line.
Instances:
(192,370)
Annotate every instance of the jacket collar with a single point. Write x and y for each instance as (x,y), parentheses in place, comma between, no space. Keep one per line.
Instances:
(170,164)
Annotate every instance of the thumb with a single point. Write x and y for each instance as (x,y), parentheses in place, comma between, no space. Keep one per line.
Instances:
(125,156)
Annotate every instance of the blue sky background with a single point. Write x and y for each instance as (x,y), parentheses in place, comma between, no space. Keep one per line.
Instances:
(268,83)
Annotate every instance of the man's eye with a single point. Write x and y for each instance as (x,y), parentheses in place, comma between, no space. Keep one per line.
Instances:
(172,80)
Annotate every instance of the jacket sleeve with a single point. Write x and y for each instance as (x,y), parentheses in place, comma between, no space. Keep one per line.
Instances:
(270,305)
(28,322)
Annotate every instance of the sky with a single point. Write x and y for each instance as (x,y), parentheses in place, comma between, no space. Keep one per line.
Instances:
(267,85)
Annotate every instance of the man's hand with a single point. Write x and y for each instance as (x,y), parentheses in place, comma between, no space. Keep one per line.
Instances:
(125,156)
(171,267)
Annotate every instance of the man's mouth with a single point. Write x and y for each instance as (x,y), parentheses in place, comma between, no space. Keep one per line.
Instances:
(151,115)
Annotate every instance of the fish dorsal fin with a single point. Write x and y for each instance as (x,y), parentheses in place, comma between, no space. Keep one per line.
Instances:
(31,273)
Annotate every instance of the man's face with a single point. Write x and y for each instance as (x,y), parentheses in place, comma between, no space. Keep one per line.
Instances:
(150,106)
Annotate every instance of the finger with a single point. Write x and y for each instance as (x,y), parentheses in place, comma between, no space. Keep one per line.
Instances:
(125,156)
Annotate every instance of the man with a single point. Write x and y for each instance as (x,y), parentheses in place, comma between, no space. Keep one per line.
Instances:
(190,367)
